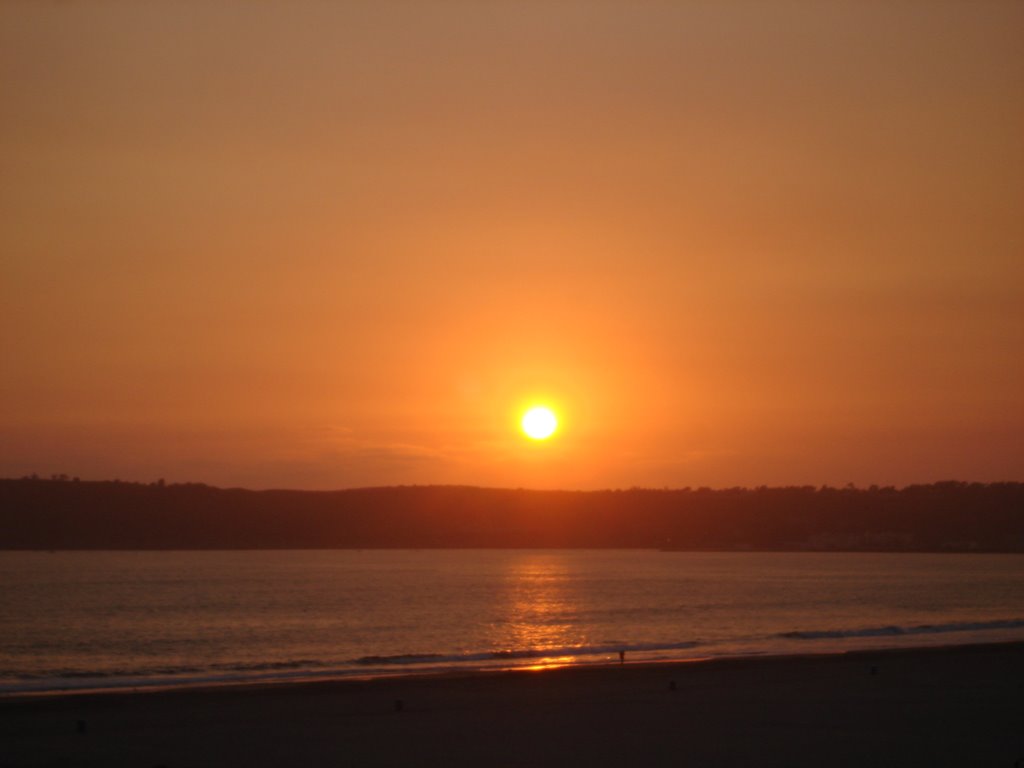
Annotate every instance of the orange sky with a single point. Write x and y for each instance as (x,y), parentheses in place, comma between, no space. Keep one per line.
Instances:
(329,244)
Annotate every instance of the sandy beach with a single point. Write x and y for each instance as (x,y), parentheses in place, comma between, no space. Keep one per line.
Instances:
(945,706)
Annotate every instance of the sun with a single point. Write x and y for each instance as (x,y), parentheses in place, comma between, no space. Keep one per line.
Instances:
(539,423)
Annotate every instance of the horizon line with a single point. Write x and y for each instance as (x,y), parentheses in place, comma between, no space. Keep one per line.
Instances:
(162,483)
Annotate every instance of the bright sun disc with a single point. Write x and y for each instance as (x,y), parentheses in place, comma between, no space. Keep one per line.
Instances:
(539,423)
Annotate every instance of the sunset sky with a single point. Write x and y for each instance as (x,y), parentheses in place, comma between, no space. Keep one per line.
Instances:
(317,244)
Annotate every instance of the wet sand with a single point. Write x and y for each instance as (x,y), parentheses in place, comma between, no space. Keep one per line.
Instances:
(928,707)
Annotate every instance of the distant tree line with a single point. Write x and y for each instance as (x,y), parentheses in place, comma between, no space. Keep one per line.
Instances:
(948,516)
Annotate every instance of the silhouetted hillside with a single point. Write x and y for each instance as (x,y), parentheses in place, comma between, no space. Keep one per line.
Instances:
(948,516)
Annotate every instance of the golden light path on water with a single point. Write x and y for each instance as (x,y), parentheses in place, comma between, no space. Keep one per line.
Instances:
(540,611)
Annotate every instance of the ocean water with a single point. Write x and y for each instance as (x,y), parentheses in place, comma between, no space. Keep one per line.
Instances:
(88,620)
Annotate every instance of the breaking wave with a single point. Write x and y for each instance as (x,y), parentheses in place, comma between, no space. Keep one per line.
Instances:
(893,631)
(524,654)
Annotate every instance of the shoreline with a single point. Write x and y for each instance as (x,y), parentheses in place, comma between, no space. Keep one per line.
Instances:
(300,681)
(948,705)
(300,684)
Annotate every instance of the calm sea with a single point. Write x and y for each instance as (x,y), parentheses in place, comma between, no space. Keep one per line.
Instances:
(131,619)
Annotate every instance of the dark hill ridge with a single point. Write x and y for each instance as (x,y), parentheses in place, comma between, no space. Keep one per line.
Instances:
(947,516)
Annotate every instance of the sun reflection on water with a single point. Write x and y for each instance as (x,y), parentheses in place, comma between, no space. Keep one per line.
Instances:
(542,612)
(549,663)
